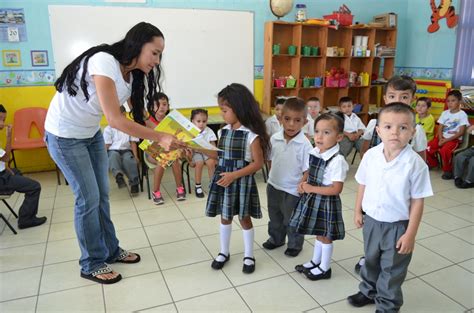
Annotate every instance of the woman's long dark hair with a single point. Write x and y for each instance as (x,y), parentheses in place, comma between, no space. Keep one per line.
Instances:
(125,51)
(245,107)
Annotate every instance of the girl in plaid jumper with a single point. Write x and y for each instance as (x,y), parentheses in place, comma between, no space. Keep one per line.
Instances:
(244,143)
(319,211)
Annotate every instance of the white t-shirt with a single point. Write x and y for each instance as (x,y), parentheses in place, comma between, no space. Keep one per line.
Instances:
(353,123)
(117,139)
(308,128)
(418,142)
(452,122)
(337,168)
(273,125)
(2,164)
(74,117)
(389,186)
(208,134)
(250,138)
(289,161)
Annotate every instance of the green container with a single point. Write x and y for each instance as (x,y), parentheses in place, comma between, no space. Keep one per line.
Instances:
(314,51)
(292,50)
(306,82)
(290,83)
(276,49)
(306,50)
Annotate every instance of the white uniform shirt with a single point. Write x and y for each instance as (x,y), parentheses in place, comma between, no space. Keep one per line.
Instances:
(353,123)
(289,161)
(74,117)
(418,142)
(452,122)
(250,138)
(2,164)
(117,139)
(337,168)
(389,186)
(308,128)
(273,125)
(208,135)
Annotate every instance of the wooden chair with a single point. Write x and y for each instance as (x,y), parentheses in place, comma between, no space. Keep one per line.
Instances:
(4,196)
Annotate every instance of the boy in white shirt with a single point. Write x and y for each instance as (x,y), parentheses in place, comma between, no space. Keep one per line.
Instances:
(289,159)
(273,123)
(314,108)
(123,158)
(393,182)
(353,127)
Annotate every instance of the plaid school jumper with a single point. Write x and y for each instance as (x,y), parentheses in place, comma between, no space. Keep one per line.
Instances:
(316,214)
(240,197)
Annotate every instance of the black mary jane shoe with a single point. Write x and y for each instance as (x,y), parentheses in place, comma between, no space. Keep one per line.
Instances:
(323,275)
(359,300)
(217,265)
(300,268)
(249,269)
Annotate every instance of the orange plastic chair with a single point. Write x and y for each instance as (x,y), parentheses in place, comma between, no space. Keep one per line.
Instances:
(23,121)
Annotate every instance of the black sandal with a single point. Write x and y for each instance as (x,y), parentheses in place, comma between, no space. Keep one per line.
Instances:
(124,254)
(217,265)
(105,270)
(249,269)
(301,268)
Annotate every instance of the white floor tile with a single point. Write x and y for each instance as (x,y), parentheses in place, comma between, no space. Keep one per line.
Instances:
(160,215)
(464,212)
(424,261)
(146,265)
(466,234)
(88,299)
(169,232)
(204,226)
(449,246)
(19,284)
(444,221)
(26,305)
(126,221)
(62,250)
(167,308)
(133,238)
(62,231)
(214,302)
(18,258)
(181,253)
(468,265)
(193,209)
(61,276)
(212,242)
(24,237)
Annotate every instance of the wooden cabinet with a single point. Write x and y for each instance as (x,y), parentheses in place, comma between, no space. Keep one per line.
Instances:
(285,35)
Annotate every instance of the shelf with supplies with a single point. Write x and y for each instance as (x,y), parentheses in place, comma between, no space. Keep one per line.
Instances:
(326,63)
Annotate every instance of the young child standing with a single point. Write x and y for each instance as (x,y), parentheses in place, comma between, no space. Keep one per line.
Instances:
(393,182)
(244,144)
(353,127)
(157,111)
(452,125)
(424,118)
(289,159)
(314,107)
(199,118)
(273,123)
(319,211)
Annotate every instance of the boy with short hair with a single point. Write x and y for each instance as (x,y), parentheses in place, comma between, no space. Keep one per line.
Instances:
(273,123)
(353,127)
(289,159)
(424,118)
(11,181)
(314,108)
(393,182)
(452,125)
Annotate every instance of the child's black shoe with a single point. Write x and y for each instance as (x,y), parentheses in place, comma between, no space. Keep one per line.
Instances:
(359,299)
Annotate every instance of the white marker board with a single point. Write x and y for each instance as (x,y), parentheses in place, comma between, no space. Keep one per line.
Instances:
(205,50)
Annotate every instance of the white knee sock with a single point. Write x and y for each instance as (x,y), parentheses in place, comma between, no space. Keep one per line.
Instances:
(326,255)
(249,235)
(316,254)
(225,232)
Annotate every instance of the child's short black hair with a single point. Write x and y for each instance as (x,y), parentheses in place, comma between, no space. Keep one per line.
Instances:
(198,111)
(295,104)
(332,117)
(398,107)
(160,95)
(279,101)
(313,99)
(455,93)
(2,109)
(344,100)
(425,100)
(403,82)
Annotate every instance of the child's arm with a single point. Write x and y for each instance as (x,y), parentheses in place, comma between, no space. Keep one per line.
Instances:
(358,216)
(331,190)
(458,134)
(406,243)
(257,154)
(303,180)
(8,146)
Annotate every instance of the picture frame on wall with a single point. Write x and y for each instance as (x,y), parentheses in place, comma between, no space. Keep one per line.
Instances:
(11,58)
(39,58)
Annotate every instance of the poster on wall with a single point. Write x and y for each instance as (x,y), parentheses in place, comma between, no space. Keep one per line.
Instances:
(12,25)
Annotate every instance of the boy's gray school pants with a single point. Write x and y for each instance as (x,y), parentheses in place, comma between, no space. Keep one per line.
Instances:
(280,207)
(385,269)
(123,161)
(462,161)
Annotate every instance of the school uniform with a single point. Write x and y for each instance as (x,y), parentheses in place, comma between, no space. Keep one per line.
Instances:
(208,135)
(352,124)
(308,128)
(317,214)
(389,188)
(241,196)
(273,125)
(289,162)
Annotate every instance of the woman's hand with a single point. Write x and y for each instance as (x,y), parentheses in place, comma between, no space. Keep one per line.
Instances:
(226,179)
(169,142)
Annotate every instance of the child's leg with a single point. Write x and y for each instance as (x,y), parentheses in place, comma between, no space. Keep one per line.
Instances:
(276,226)
(323,253)
(345,146)
(470,168)
(433,147)
(446,152)
(460,161)
(178,177)
(198,172)
(295,240)
(159,171)
(371,269)
(115,162)
(130,168)
(211,167)
(358,144)
(224,234)
(249,234)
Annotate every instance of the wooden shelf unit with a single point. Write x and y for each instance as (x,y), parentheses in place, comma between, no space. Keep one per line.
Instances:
(299,66)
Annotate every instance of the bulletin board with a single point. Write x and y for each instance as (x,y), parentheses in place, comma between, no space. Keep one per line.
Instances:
(205,50)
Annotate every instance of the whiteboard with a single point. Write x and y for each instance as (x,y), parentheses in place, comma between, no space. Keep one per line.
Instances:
(205,50)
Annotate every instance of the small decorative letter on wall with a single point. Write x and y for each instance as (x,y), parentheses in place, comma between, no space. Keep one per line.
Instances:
(11,57)
(39,58)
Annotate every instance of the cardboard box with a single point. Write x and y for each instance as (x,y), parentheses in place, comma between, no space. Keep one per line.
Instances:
(332,52)
(387,19)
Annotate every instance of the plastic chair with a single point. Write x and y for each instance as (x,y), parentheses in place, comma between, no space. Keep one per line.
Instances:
(4,196)
(23,121)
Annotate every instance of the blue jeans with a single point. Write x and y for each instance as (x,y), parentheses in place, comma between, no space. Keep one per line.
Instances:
(84,164)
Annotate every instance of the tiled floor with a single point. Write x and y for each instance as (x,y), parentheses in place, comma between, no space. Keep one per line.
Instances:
(39,271)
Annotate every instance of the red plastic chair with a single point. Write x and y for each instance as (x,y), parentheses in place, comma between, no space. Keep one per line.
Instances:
(23,121)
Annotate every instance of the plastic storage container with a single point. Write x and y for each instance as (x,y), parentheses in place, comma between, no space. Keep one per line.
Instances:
(300,12)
